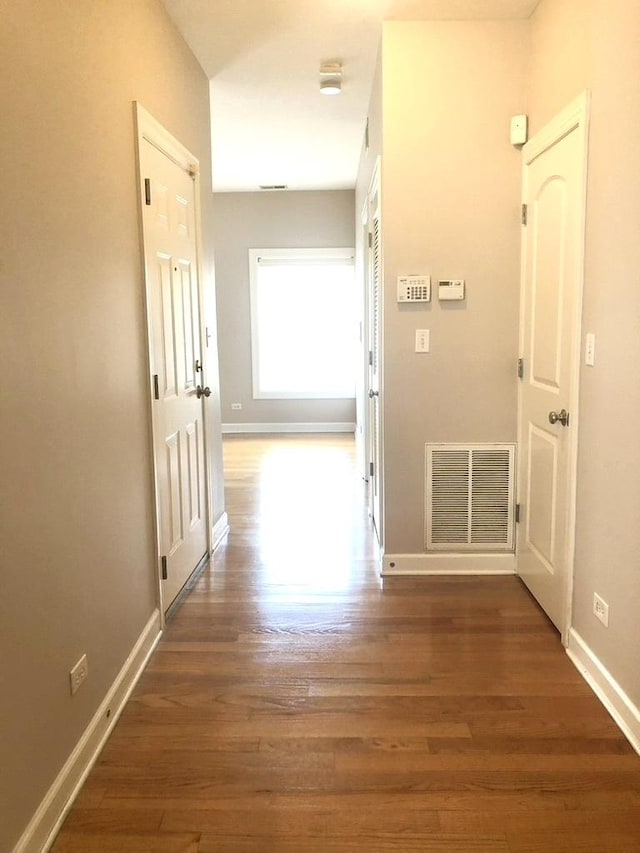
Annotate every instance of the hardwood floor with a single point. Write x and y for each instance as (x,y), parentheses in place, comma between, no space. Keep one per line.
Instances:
(296,704)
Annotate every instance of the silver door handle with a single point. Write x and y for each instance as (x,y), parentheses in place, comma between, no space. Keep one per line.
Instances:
(373,393)
(202,392)
(559,417)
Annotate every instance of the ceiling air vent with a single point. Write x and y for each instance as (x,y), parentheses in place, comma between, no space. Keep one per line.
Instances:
(469,497)
(273,186)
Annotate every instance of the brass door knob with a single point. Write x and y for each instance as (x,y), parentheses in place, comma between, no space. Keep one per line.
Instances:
(559,417)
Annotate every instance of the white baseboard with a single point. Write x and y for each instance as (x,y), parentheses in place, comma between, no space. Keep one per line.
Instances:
(448,564)
(288,427)
(46,822)
(220,530)
(606,688)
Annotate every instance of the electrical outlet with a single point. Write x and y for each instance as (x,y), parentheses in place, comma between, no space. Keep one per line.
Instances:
(236,406)
(601,609)
(78,674)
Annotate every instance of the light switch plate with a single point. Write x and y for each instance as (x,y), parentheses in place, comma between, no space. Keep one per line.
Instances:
(422,340)
(590,349)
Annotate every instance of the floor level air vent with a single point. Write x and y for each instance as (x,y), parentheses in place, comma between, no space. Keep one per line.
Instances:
(469,497)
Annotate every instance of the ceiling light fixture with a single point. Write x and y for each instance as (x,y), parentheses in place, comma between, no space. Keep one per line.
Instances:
(330,78)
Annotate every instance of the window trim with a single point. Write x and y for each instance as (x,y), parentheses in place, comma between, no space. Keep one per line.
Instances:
(341,256)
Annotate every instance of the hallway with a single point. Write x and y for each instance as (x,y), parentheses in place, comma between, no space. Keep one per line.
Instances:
(297,704)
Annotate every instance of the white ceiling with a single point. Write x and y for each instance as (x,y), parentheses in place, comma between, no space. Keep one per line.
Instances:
(270,125)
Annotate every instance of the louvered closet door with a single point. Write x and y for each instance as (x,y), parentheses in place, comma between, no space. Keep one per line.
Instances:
(375,298)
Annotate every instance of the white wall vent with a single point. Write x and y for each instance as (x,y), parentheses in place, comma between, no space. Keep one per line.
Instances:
(469,499)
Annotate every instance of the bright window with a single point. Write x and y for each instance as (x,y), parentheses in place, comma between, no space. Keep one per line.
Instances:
(303,323)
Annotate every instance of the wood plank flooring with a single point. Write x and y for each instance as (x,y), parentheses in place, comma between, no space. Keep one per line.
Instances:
(296,704)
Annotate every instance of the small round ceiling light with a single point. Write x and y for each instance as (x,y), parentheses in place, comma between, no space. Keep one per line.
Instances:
(330,87)
(330,78)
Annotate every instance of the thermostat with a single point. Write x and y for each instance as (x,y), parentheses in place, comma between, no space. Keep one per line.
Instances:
(414,288)
(451,290)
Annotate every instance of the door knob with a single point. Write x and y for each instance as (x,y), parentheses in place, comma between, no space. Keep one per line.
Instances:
(203,392)
(373,393)
(559,417)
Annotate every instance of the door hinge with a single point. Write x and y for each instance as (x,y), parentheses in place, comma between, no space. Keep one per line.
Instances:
(520,368)
(370,239)
(524,214)
(156,387)
(517,513)
(147,190)
(371,469)
(163,561)
(370,358)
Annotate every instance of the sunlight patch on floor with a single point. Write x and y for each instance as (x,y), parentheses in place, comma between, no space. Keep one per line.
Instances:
(308,529)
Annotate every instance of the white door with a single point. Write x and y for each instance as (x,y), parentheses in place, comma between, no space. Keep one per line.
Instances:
(553,251)
(375,367)
(171,269)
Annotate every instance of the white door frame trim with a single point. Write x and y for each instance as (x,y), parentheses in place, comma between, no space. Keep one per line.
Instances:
(149,129)
(574,117)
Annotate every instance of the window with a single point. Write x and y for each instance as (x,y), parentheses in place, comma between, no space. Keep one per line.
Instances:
(303,323)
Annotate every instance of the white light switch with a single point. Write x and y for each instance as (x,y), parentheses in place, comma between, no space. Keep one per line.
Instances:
(422,340)
(590,349)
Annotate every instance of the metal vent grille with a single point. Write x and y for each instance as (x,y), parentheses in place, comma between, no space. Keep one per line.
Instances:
(469,497)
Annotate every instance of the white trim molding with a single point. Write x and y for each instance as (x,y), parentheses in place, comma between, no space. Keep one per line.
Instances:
(448,564)
(229,429)
(46,822)
(220,530)
(625,714)
(575,114)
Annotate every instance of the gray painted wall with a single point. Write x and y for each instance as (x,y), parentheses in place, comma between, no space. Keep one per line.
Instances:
(78,569)
(264,220)
(450,208)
